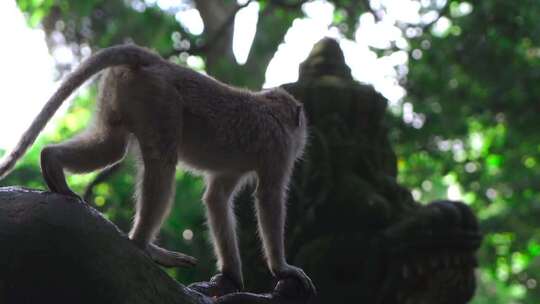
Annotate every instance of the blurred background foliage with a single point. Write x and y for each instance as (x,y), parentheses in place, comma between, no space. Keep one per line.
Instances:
(467,127)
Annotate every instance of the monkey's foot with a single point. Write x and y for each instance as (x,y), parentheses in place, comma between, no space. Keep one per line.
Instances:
(289,271)
(218,286)
(168,258)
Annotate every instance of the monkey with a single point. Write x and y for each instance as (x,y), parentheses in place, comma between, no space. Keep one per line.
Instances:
(180,117)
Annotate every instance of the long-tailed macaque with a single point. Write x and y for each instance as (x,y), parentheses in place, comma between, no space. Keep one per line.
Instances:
(178,115)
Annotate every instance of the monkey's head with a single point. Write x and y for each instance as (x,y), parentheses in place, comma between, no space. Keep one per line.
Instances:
(290,113)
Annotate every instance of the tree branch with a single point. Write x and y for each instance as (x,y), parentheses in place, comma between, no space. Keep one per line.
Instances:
(367,7)
(101,177)
(288,5)
(211,41)
(266,42)
(57,249)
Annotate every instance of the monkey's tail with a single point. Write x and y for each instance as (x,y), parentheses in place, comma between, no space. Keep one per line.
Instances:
(113,56)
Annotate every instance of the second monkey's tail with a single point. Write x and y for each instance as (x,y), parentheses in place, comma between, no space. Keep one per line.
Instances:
(113,56)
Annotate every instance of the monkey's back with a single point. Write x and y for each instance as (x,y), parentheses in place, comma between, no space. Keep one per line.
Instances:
(209,124)
(231,127)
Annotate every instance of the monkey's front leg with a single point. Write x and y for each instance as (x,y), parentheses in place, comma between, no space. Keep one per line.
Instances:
(153,204)
(271,218)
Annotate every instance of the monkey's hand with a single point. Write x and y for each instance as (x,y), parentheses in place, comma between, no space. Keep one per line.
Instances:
(168,258)
(289,271)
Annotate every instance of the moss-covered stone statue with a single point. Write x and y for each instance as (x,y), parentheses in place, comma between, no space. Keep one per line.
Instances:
(359,235)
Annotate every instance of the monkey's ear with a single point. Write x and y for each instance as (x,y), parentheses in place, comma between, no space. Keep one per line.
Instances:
(298,112)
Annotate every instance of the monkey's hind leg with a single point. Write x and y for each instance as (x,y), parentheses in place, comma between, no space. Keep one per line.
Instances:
(218,199)
(93,149)
(270,203)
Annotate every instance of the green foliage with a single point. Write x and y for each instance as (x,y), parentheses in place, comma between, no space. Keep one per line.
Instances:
(476,84)
(36,10)
(476,88)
